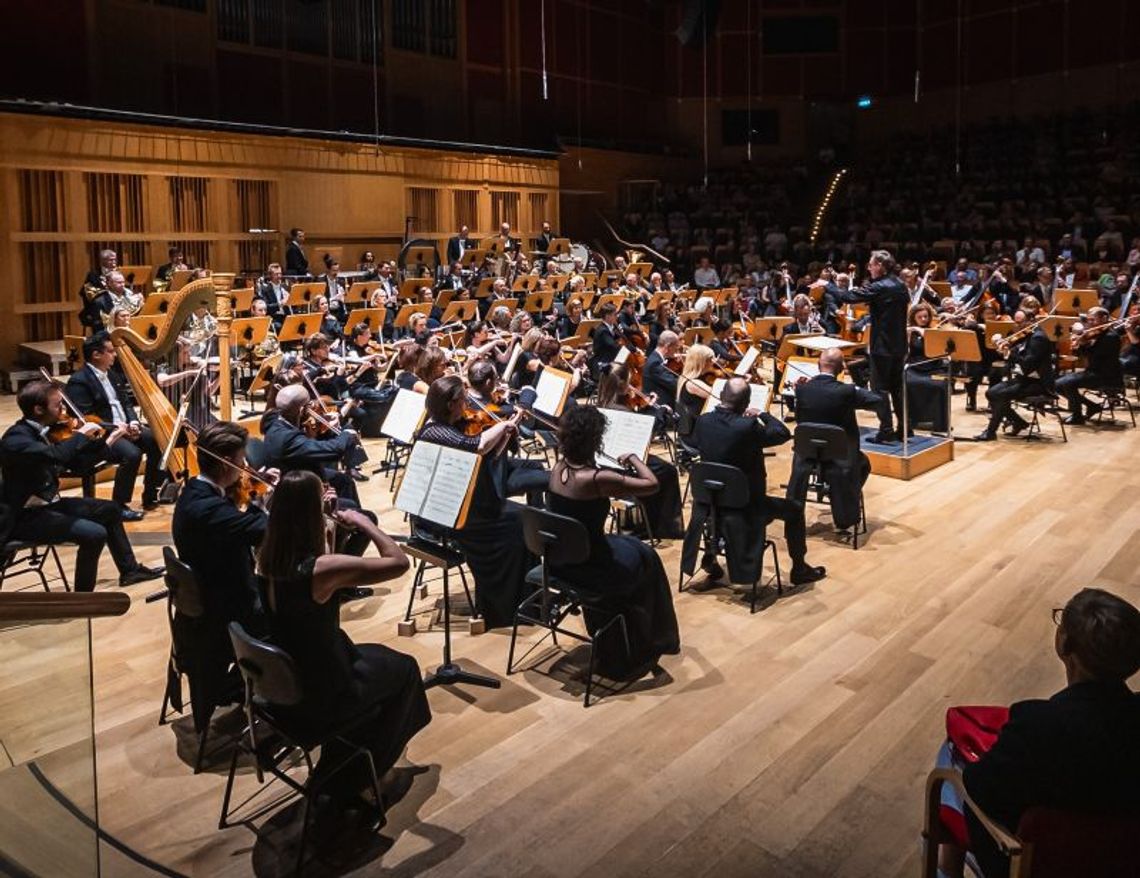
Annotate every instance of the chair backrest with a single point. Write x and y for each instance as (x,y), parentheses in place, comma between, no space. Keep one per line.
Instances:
(255,452)
(268,671)
(185,595)
(557,539)
(820,442)
(1066,843)
(719,484)
(686,423)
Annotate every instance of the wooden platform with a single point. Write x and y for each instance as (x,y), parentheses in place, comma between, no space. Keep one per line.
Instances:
(922,454)
(791,743)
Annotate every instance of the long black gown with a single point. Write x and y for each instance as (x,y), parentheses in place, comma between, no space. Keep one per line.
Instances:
(380,688)
(926,394)
(629,575)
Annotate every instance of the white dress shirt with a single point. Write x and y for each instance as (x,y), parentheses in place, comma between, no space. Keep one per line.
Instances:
(118,413)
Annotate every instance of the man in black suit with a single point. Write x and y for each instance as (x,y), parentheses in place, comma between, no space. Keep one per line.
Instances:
(99,390)
(826,400)
(1077,751)
(177,263)
(656,377)
(31,466)
(605,342)
(1103,370)
(296,262)
(889,300)
(543,241)
(274,293)
(735,435)
(95,296)
(457,245)
(1030,362)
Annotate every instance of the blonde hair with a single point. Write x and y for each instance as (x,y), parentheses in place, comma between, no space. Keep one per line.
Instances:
(533,336)
(697,360)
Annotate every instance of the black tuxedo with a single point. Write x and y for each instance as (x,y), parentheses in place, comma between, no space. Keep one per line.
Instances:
(722,436)
(656,378)
(824,400)
(86,391)
(1031,375)
(543,241)
(605,345)
(454,254)
(1104,370)
(273,304)
(1077,751)
(31,467)
(92,309)
(889,300)
(296,262)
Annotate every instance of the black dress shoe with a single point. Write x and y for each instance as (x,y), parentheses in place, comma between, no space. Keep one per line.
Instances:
(1074,420)
(1092,409)
(358,474)
(148,505)
(884,437)
(807,573)
(1017,426)
(128,514)
(140,573)
(986,436)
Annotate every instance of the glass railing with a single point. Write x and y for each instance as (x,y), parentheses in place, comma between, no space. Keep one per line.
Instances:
(49,811)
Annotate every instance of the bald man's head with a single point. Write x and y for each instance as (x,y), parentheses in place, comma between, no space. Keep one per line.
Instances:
(831,362)
(668,340)
(291,399)
(735,395)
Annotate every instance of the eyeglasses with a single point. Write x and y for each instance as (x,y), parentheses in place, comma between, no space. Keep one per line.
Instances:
(1058,615)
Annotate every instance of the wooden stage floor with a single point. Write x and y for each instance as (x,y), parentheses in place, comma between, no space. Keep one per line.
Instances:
(794,742)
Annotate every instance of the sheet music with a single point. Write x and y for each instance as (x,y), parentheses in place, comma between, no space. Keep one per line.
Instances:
(745,364)
(626,433)
(794,371)
(550,391)
(416,484)
(405,415)
(759,396)
(516,350)
(622,355)
(823,343)
(452,478)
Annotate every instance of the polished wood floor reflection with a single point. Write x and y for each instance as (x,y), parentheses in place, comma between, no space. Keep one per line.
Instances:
(793,742)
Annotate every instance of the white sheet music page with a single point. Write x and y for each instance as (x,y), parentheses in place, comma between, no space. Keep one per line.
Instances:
(622,355)
(405,416)
(416,484)
(453,472)
(549,393)
(626,433)
(745,364)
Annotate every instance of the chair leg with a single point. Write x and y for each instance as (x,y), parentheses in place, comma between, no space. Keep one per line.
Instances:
(201,748)
(467,592)
(514,639)
(415,588)
(222,824)
(776,564)
(59,568)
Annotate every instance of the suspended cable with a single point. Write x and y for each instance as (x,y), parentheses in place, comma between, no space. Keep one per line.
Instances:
(542,24)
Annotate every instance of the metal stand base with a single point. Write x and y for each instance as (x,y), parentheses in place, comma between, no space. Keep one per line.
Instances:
(450,674)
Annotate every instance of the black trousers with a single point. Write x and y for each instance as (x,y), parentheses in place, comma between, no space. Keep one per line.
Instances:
(791,512)
(1001,397)
(353,542)
(1130,363)
(128,454)
(975,372)
(887,379)
(90,524)
(1070,385)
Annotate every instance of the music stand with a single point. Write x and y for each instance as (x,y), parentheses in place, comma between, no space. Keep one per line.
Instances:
(1074,301)
(410,288)
(1058,329)
(641,269)
(586,327)
(484,289)
(374,317)
(997,327)
(443,298)
(768,329)
(686,295)
(616,299)
(136,276)
(463,310)
(472,259)
(406,312)
(241,300)
(179,278)
(587,300)
(657,300)
(558,247)
(419,256)
(954,346)
(250,331)
(558,282)
(301,295)
(298,327)
(361,291)
(539,303)
(155,303)
(590,278)
(698,335)
(523,283)
(147,325)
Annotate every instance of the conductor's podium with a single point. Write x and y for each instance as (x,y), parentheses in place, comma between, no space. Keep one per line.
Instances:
(920,454)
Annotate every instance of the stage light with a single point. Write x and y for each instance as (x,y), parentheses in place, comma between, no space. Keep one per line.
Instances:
(864,102)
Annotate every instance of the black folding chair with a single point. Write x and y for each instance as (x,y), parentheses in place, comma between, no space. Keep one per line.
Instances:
(723,488)
(819,445)
(272,683)
(559,540)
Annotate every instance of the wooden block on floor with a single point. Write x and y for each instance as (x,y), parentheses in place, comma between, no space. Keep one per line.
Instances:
(406,629)
(476,626)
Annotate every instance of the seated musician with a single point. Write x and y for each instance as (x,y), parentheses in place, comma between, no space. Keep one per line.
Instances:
(1103,371)
(623,569)
(480,345)
(987,367)
(1078,751)
(927,395)
(692,389)
(825,399)
(331,326)
(217,539)
(407,354)
(288,447)
(529,363)
(327,376)
(805,321)
(663,507)
(431,363)
(551,355)
(122,296)
(522,476)
(657,378)
(365,367)
(1130,356)
(736,435)
(567,324)
(274,293)
(31,464)
(376,690)
(269,345)
(97,390)
(490,538)
(722,344)
(521,323)
(367,265)
(605,345)
(1029,365)
(663,321)
(94,297)
(334,290)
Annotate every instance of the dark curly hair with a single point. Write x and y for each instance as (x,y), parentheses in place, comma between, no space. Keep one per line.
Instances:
(580,434)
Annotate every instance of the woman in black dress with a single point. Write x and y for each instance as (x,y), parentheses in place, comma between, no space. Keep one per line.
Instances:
(663,507)
(622,569)
(376,688)
(927,389)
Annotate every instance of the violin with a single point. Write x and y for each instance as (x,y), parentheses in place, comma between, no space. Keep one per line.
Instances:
(73,419)
(635,400)
(246,489)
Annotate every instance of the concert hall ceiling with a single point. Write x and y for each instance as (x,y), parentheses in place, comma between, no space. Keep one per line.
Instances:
(536,72)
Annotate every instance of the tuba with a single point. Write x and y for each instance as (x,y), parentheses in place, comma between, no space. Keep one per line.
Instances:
(134,349)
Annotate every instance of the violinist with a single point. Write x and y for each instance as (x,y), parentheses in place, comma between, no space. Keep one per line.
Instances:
(31,464)
(927,396)
(1130,358)
(567,324)
(331,327)
(805,321)
(372,399)
(987,367)
(407,355)
(529,363)
(662,321)
(326,376)
(663,507)
(551,355)
(490,538)
(605,344)
(431,364)
(999,287)
(481,345)
(488,406)
(1100,346)
(692,389)
(217,538)
(722,344)
(1029,361)
(657,378)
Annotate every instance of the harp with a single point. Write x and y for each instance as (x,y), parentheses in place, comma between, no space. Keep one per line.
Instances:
(135,350)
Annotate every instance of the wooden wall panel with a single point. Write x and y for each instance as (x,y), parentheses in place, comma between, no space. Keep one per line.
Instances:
(140,189)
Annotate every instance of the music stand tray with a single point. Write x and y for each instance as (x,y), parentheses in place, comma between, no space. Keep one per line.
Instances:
(250,331)
(298,327)
(1074,301)
(463,310)
(374,317)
